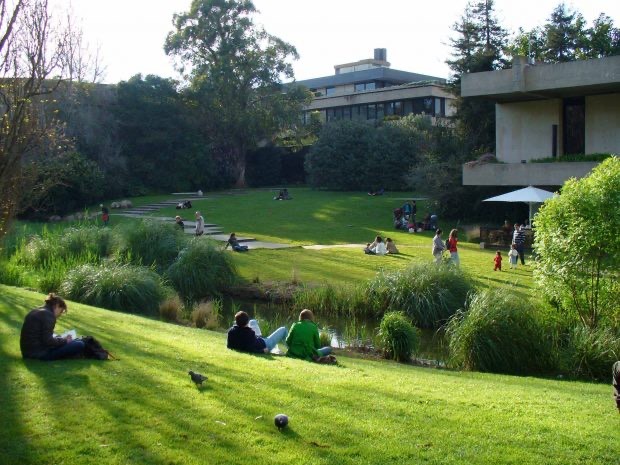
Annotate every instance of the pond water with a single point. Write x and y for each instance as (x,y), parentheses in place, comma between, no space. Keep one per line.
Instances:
(353,333)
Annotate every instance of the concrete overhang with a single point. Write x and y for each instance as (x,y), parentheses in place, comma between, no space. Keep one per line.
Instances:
(543,81)
(393,76)
(524,174)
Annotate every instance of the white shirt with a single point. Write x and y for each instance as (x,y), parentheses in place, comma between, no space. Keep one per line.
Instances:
(380,248)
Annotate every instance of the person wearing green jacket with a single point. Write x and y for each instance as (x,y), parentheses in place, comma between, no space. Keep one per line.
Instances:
(303,339)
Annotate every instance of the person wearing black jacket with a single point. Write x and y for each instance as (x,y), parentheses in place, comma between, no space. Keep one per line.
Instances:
(37,338)
(243,338)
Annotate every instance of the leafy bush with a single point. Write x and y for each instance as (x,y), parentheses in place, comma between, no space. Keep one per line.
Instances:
(10,274)
(171,309)
(325,338)
(151,242)
(207,314)
(429,294)
(201,270)
(591,352)
(128,288)
(398,337)
(498,333)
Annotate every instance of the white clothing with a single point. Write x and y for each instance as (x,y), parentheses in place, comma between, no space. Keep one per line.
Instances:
(379,249)
(200,225)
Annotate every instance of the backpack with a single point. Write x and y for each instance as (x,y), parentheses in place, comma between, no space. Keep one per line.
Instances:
(94,349)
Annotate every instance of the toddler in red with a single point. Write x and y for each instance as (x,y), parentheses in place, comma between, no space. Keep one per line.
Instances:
(498,261)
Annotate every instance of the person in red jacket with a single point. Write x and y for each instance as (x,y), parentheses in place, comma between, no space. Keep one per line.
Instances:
(498,261)
(453,240)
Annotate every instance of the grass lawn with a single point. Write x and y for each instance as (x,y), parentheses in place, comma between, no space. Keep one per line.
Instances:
(144,409)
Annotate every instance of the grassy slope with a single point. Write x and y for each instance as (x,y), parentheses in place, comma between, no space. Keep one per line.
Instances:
(143,408)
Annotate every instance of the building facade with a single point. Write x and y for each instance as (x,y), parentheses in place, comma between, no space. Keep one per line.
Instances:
(547,111)
(369,90)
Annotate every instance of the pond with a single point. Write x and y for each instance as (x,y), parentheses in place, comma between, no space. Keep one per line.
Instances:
(350,333)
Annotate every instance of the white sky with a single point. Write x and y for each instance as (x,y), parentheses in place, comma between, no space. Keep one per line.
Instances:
(416,33)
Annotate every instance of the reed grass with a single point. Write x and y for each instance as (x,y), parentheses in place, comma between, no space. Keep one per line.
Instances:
(399,339)
(151,243)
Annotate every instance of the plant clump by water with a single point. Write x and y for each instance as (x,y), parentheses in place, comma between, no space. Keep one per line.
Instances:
(207,314)
(399,339)
(152,243)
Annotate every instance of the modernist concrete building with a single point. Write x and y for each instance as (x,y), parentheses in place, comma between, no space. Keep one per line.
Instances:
(546,111)
(369,90)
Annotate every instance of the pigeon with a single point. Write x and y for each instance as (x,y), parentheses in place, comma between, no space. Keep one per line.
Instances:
(280,420)
(197,377)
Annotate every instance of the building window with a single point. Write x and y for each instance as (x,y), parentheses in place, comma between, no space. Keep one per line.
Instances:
(330,90)
(372,111)
(418,106)
(574,127)
(360,87)
(370,86)
(428,105)
(408,107)
(437,106)
(346,113)
(380,111)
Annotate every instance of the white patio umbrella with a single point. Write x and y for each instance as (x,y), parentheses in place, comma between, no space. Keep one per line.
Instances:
(529,195)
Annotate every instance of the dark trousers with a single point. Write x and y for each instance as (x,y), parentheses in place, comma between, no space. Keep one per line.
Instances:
(616,383)
(521,251)
(69,350)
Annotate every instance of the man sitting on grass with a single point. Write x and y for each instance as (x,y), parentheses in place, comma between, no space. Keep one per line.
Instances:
(303,341)
(243,338)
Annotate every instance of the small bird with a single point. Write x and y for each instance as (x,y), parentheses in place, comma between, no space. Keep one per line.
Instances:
(197,377)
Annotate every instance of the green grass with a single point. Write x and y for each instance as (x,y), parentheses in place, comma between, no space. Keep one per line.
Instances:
(144,409)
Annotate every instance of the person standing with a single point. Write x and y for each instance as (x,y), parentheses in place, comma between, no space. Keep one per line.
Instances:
(452,246)
(200,224)
(498,261)
(518,239)
(37,338)
(414,211)
(438,247)
(513,255)
(105,215)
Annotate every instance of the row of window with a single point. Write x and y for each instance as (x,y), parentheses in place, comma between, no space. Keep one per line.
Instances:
(359,87)
(433,106)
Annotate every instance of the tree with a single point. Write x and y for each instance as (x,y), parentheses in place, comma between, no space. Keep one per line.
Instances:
(32,48)
(564,35)
(235,70)
(578,245)
(603,39)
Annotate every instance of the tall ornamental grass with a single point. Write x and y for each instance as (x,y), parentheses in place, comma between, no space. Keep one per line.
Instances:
(500,334)
(333,300)
(151,243)
(429,294)
(590,353)
(399,339)
(201,271)
(128,288)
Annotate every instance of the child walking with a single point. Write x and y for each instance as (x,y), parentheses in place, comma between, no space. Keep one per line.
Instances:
(513,255)
(498,261)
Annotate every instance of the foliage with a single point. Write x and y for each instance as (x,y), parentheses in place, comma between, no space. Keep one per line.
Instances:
(128,288)
(427,293)
(171,309)
(264,166)
(201,270)
(398,336)
(574,158)
(207,314)
(564,35)
(499,334)
(590,352)
(333,300)
(235,69)
(151,242)
(578,245)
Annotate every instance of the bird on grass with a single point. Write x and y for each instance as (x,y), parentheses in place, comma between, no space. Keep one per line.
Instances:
(197,378)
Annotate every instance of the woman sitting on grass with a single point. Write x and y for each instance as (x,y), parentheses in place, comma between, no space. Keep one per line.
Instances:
(303,340)
(376,248)
(37,338)
(234,243)
(390,246)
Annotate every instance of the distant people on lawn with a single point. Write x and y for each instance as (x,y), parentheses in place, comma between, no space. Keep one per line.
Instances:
(37,339)
(200,224)
(438,246)
(105,214)
(513,255)
(303,340)
(179,223)
(184,204)
(377,247)
(390,246)
(453,240)
(234,244)
(518,238)
(283,195)
(498,261)
(373,192)
(616,383)
(243,338)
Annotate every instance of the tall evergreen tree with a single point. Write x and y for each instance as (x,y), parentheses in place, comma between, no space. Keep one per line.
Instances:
(565,37)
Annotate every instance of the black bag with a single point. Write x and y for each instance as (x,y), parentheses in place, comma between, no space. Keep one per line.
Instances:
(94,349)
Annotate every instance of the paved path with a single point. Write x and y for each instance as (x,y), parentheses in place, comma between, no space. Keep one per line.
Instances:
(213,231)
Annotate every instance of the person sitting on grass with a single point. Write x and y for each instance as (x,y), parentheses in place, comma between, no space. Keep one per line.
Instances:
(234,243)
(376,248)
(37,338)
(390,246)
(303,340)
(242,337)
(178,221)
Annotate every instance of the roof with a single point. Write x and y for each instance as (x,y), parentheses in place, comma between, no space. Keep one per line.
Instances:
(393,76)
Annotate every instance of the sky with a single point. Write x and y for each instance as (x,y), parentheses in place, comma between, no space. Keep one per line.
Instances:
(130,33)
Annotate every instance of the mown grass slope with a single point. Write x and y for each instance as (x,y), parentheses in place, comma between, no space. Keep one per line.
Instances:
(144,409)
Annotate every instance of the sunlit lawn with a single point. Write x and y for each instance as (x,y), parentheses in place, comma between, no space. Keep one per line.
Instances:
(144,409)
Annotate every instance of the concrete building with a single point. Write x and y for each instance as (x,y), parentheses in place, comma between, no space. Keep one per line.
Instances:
(547,111)
(369,90)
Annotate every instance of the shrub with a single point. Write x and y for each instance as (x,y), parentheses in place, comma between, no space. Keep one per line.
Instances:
(498,333)
(325,338)
(398,337)
(429,294)
(207,314)
(335,301)
(591,352)
(171,309)
(10,274)
(128,288)
(152,243)
(201,270)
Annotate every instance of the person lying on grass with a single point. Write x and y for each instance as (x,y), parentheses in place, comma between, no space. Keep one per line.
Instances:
(234,243)
(37,338)
(243,338)
(303,340)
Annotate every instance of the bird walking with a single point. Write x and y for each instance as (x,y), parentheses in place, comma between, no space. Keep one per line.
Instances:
(197,377)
